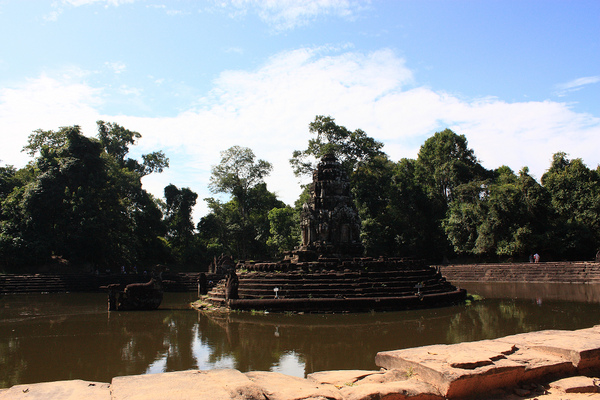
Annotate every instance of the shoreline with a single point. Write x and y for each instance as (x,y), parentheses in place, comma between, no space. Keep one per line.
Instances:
(548,364)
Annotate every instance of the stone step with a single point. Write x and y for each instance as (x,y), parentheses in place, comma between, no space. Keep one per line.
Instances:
(572,272)
(50,283)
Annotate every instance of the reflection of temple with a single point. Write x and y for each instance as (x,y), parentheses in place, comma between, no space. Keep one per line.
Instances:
(329,222)
(327,272)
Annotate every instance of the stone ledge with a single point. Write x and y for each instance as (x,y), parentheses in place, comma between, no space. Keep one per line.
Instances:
(467,369)
(521,364)
(60,390)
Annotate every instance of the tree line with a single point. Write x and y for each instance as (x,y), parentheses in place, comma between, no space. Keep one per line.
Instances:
(80,201)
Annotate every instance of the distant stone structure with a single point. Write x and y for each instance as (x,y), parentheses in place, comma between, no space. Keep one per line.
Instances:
(136,296)
(328,272)
(329,222)
(222,265)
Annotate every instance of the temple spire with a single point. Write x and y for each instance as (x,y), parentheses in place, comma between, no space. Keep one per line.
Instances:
(329,223)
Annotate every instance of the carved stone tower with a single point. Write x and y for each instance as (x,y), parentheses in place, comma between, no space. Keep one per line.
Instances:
(329,222)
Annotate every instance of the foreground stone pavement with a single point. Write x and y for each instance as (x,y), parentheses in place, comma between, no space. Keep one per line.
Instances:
(546,365)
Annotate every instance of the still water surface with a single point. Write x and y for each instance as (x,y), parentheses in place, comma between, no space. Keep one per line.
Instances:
(72,336)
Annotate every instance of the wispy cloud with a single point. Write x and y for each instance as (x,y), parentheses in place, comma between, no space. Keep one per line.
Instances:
(59,6)
(77,3)
(288,14)
(576,84)
(117,67)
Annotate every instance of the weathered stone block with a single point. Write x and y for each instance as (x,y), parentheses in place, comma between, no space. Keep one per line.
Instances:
(399,390)
(577,384)
(60,390)
(581,347)
(278,386)
(224,384)
(465,369)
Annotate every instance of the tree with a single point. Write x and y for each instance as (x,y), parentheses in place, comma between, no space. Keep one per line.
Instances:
(237,173)
(350,148)
(7,180)
(575,195)
(116,141)
(70,209)
(371,184)
(180,227)
(444,162)
(502,217)
(284,229)
(226,230)
(241,175)
(80,199)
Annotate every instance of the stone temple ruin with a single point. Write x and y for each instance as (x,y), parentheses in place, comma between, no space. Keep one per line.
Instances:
(329,222)
(327,272)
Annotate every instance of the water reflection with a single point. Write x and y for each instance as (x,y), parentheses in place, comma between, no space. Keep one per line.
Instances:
(72,336)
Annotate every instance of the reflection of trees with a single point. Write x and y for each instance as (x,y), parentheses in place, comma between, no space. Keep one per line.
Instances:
(323,342)
(351,341)
(495,318)
(9,351)
(69,337)
(482,321)
(75,341)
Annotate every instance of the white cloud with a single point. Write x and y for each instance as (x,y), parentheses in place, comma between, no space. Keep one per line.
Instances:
(117,67)
(43,103)
(576,84)
(130,91)
(77,3)
(59,6)
(289,14)
(269,109)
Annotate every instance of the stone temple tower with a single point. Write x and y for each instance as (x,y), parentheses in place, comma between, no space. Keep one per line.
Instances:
(329,222)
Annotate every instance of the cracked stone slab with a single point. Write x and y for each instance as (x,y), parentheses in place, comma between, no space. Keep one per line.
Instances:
(60,390)
(356,377)
(220,384)
(277,386)
(468,368)
(399,390)
(577,384)
(580,347)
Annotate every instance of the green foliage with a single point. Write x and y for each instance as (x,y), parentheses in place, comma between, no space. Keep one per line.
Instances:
(80,200)
(506,216)
(238,172)
(350,148)
(226,230)
(284,229)
(179,204)
(444,162)
(241,225)
(575,198)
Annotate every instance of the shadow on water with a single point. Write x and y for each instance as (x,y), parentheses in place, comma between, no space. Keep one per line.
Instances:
(72,336)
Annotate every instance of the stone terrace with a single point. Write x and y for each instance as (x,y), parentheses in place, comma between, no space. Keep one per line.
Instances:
(562,272)
(332,285)
(74,282)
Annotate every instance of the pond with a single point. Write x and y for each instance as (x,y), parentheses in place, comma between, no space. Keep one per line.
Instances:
(72,336)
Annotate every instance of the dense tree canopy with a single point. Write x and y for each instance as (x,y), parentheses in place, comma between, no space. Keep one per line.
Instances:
(80,200)
(241,224)
(350,148)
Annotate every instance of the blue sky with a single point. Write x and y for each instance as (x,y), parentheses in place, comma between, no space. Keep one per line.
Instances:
(520,79)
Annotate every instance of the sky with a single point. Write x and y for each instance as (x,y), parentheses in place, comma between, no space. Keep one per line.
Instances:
(519,78)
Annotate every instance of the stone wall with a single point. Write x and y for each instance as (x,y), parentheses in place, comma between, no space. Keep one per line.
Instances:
(543,272)
(61,283)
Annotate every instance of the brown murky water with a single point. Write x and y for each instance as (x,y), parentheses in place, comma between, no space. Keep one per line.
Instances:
(72,336)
